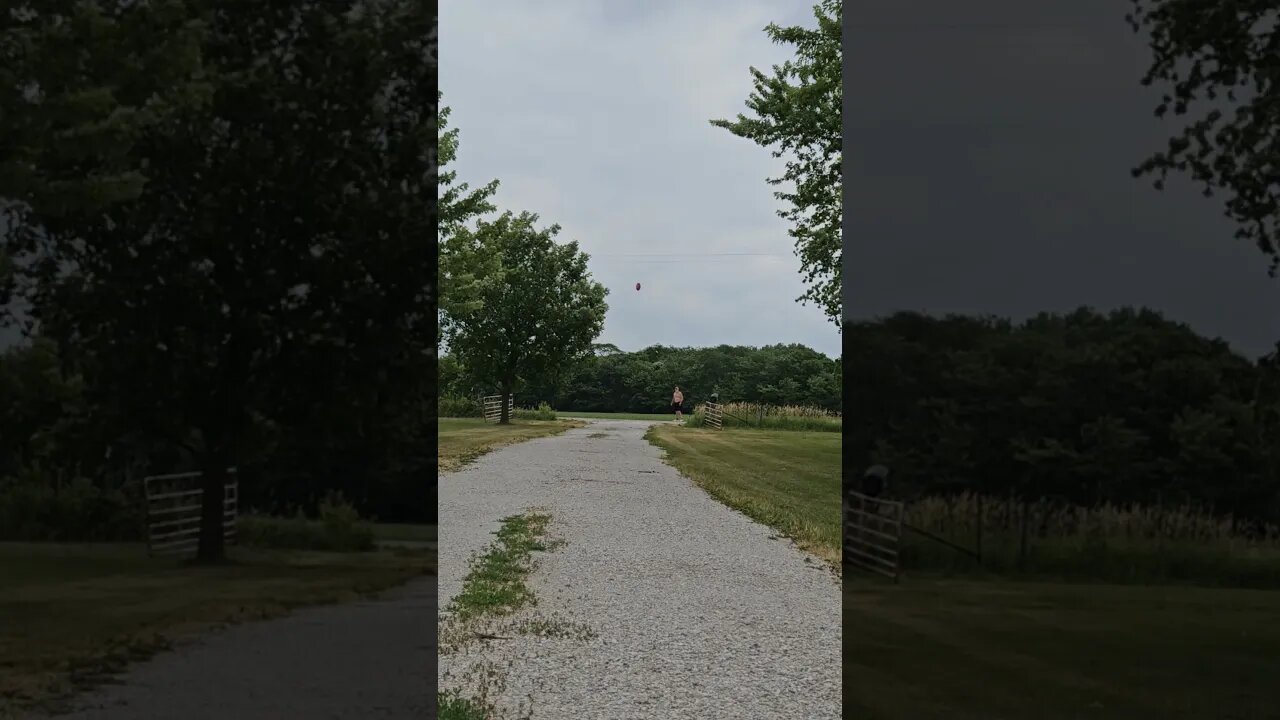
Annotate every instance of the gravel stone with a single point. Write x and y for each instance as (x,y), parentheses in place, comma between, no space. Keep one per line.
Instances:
(697,611)
(372,659)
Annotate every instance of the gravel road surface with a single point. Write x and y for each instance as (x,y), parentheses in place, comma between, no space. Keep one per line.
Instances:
(372,659)
(698,613)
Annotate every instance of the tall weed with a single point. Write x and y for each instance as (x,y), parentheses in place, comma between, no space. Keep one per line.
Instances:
(771,417)
(1120,543)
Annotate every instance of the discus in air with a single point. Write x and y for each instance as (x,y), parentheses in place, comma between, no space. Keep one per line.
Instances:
(637,286)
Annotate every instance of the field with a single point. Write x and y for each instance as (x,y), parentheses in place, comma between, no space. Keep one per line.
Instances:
(785,479)
(462,440)
(619,416)
(74,613)
(997,650)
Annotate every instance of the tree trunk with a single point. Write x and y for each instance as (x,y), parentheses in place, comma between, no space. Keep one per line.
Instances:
(212,545)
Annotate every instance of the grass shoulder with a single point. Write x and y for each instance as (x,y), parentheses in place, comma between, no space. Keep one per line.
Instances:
(788,480)
(76,614)
(462,440)
(935,647)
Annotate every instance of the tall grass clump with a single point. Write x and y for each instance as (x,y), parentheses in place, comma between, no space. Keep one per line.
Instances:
(1112,543)
(542,412)
(338,528)
(771,417)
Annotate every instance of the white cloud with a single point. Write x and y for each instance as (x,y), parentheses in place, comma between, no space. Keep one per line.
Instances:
(596,117)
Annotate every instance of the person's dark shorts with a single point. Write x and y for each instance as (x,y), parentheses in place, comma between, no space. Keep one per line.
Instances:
(675,407)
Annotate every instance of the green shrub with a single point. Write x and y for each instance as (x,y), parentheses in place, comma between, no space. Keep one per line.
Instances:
(542,412)
(34,508)
(455,406)
(338,529)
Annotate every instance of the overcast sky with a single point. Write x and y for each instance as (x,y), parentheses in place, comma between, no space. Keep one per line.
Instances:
(988,148)
(595,116)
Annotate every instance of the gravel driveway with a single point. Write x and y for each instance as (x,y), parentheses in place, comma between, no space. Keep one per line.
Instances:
(697,612)
(372,659)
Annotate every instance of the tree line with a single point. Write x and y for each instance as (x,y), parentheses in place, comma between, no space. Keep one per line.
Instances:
(1083,408)
(610,380)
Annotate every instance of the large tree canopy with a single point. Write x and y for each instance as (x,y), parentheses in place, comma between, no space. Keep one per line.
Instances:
(282,230)
(797,114)
(80,82)
(1219,65)
(546,312)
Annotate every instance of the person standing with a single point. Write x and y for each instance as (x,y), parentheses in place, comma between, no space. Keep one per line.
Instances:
(677,401)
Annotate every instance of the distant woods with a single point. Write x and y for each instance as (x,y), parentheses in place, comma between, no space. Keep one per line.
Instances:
(611,380)
(1084,408)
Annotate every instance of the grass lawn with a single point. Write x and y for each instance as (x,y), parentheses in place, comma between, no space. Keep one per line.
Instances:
(619,416)
(399,532)
(71,615)
(462,440)
(785,479)
(936,648)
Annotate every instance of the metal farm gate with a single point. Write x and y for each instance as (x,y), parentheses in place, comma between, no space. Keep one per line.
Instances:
(173,511)
(873,534)
(493,407)
(714,415)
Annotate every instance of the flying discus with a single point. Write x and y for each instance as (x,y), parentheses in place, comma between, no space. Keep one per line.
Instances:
(637,286)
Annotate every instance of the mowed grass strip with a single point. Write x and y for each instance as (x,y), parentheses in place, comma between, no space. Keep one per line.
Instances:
(462,440)
(494,587)
(933,649)
(787,480)
(72,615)
(496,583)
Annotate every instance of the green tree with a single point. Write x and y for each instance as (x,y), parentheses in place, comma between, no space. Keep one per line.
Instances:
(282,231)
(545,314)
(80,82)
(462,270)
(1219,65)
(797,113)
